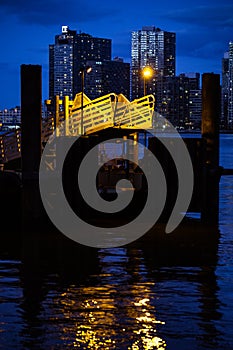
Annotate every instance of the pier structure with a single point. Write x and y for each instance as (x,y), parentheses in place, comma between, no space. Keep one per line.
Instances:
(111,115)
(109,111)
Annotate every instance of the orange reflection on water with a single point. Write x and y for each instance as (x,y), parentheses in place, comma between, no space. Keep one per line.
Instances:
(96,330)
(110,316)
(146,320)
(94,317)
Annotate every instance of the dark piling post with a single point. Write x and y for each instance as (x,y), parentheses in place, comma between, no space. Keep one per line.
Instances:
(211,107)
(31,117)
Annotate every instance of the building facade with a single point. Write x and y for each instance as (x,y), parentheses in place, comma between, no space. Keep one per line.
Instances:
(230,87)
(61,64)
(156,48)
(227,89)
(88,48)
(71,52)
(10,116)
(195,108)
(225,92)
(68,55)
(178,101)
(108,76)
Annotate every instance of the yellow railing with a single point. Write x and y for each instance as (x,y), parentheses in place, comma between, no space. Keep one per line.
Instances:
(96,114)
(86,116)
(137,114)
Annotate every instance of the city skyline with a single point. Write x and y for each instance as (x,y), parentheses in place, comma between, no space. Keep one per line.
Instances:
(203,32)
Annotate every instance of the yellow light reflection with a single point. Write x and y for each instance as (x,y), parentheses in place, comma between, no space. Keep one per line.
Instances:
(94,317)
(146,322)
(107,317)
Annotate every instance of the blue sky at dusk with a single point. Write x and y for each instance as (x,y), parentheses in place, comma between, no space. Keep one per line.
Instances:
(203,30)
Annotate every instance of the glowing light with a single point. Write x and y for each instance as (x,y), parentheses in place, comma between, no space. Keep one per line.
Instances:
(146,321)
(147,72)
(94,325)
(88,69)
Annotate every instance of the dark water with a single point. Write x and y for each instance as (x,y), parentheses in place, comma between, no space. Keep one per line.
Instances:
(54,297)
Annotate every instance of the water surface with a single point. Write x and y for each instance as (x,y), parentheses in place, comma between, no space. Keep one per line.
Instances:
(54,297)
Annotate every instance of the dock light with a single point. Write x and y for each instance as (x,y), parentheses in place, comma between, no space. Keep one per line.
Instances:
(147,73)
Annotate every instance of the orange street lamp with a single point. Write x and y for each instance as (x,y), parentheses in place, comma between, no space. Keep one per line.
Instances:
(147,73)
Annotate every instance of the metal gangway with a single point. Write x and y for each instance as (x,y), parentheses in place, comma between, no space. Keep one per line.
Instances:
(84,116)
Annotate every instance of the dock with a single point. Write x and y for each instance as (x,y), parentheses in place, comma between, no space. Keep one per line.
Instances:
(108,117)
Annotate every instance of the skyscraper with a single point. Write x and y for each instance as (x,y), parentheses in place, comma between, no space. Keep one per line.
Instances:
(227,88)
(225,84)
(70,52)
(89,48)
(107,77)
(230,86)
(180,99)
(61,64)
(156,48)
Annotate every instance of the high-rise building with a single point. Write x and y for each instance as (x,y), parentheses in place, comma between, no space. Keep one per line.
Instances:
(225,85)
(70,52)
(227,88)
(108,76)
(190,100)
(195,108)
(88,48)
(156,48)
(178,101)
(61,64)
(230,86)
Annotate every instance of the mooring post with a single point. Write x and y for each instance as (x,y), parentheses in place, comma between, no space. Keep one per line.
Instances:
(211,107)
(31,119)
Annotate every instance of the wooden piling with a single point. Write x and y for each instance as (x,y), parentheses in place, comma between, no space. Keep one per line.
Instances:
(211,107)
(31,121)
(31,96)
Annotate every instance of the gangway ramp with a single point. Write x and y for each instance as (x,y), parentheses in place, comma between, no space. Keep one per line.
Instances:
(85,116)
(97,114)
(137,114)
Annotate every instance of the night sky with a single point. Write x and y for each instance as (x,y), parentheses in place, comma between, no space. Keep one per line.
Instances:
(203,29)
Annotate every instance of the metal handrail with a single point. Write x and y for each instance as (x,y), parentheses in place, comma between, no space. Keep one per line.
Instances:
(107,111)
